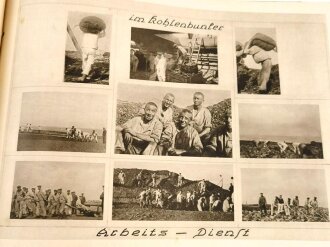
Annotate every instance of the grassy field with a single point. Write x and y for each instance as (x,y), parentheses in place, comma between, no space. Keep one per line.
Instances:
(42,142)
(134,212)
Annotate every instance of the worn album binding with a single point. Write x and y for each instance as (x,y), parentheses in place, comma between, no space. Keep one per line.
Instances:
(130,120)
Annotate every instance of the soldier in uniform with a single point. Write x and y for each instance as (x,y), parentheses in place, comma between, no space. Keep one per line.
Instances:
(19,199)
(62,201)
(41,202)
(52,203)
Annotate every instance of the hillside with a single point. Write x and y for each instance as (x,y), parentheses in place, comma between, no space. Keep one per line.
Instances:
(165,180)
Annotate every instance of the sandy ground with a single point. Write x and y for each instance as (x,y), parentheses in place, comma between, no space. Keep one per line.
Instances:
(134,212)
(41,142)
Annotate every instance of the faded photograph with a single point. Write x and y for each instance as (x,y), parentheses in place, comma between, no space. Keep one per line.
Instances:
(87,52)
(281,131)
(173,121)
(58,190)
(257,61)
(57,121)
(143,192)
(163,56)
(291,195)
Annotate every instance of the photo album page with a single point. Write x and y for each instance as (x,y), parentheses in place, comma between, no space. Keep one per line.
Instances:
(129,120)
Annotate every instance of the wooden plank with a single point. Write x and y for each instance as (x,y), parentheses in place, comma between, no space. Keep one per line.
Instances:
(74,40)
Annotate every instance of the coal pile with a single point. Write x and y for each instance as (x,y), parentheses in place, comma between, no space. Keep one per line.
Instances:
(165,180)
(247,80)
(99,72)
(248,149)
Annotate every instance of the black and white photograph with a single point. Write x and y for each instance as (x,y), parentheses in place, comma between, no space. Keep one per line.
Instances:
(87,51)
(173,122)
(280,131)
(257,61)
(179,193)
(284,195)
(58,191)
(164,56)
(63,121)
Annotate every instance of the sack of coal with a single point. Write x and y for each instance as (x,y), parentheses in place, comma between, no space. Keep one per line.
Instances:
(263,41)
(92,24)
(239,46)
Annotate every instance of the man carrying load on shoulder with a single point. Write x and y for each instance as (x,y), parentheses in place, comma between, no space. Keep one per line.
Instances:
(93,28)
(259,47)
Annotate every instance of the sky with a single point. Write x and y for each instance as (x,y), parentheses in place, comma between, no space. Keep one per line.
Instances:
(286,182)
(188,171)
(87,178)
(294,122)
(58,109)
(243,34)
(183,97)
(74,19)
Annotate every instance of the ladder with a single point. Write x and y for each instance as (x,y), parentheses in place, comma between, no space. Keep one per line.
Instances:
(195,52)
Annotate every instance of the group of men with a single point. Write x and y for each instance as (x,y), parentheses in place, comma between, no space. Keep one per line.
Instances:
(40,204)
(289,207)
(28,128)
(196,200)
(201,199)
(78,134)
(155,132)
(158,62)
